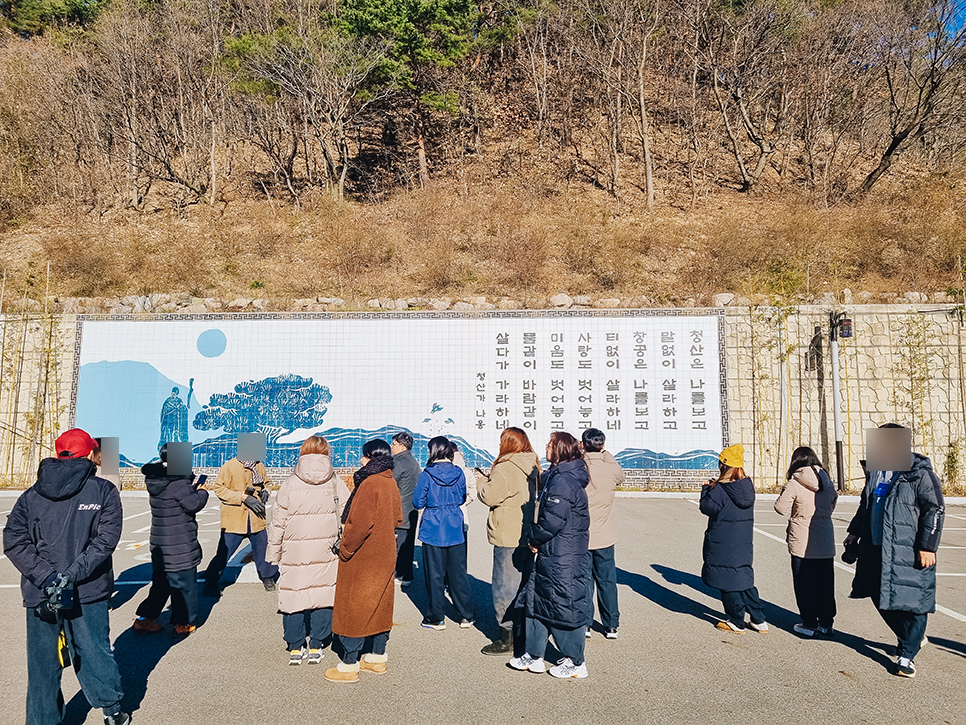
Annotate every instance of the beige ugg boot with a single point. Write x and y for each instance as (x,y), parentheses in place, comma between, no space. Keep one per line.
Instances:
(343,673)
(374,663)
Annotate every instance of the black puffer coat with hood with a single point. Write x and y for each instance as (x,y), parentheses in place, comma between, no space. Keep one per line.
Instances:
(174,530)
(68,522)
(559,587)
(728,545)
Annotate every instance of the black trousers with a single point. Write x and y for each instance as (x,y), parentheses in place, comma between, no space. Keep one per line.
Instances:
(181,586)
(814,581)
(406,548)
(736,604)
(442,564)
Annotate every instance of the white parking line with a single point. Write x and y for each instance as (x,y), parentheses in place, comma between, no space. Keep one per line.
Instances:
(134,516)
(142,529)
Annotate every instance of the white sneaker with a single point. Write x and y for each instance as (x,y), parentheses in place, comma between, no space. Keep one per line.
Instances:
(760,627)
(315,656)
(565,669)
(587,633)
(803,630)
(296,656)
(526,662)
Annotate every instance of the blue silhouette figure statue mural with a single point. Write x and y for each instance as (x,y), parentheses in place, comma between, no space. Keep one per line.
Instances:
(174,418)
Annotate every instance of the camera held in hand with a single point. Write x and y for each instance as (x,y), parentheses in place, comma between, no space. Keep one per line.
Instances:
(60,596)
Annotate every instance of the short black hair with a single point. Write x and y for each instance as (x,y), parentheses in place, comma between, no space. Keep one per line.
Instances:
(891,425)
(593,440)
(377,447)
(404,439)
(440,449)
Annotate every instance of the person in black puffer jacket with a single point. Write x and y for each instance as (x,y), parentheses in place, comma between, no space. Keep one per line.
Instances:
(729,504)
(555,595)
(175,551)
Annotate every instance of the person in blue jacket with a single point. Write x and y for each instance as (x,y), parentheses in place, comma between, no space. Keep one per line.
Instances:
(61,535)
(440,490)
(556,594)
(175,551)
(729,504)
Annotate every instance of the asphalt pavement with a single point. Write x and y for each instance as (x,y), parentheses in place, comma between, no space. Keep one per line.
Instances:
(669,664)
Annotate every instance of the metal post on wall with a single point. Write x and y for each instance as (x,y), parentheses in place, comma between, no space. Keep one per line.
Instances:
(839,326)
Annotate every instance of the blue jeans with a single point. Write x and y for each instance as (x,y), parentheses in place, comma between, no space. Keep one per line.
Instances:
(89,640)
(570,642)
(603,570)
(316,624)
(181,586)
(442,564)
(353,646)
(228,544)
(509,563)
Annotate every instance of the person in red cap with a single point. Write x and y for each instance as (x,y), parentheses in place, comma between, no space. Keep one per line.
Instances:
(67,580)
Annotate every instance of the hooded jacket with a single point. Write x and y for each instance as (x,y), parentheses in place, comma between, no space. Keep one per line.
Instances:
(912,521)
(808,499)
(728,546)
(305,524)
(174,529)
(68,522)
(606,475)
(441,490)
(510,491)
(559,589)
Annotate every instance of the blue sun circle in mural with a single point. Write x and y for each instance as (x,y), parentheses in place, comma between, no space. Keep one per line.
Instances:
(212,343)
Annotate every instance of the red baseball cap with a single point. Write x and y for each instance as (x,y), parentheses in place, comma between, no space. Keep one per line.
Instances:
(74,443)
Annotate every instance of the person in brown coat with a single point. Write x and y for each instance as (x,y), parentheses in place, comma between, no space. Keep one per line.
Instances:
(367,562)
(808,499)
(305,525)
(606,475)
(242,488)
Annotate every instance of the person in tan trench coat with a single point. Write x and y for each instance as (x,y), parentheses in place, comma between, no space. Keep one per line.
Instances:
(367,562)
(242,487)
(304,526)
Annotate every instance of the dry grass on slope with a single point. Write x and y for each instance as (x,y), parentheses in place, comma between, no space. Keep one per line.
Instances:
(501,241)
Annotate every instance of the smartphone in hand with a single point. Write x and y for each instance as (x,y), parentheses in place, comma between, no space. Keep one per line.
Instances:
(201,480)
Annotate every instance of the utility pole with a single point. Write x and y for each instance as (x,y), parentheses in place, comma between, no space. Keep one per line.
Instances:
(839,326)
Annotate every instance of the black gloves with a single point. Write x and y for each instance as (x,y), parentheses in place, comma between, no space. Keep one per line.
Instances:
(59,595)
(255,506)
(263,495)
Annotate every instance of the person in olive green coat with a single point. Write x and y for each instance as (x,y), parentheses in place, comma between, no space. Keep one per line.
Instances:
(510,491)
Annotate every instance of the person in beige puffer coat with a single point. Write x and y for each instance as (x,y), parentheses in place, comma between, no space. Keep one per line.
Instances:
(808,499)
(304,526)
(510,491)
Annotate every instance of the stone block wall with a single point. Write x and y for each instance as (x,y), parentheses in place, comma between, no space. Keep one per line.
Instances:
(904,363)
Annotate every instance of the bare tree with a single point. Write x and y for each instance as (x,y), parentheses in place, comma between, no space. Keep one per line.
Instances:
(920,62)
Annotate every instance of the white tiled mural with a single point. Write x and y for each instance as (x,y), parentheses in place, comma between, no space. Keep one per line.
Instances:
(652,381)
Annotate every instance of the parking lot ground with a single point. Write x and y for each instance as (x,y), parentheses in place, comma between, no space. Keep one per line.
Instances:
(669,664)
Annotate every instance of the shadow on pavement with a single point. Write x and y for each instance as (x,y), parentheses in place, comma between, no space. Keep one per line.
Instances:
(124,592)
(136,654)
(664,597)
(948,645)
(776,616)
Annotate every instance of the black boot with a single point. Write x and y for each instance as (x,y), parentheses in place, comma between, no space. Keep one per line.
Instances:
(502,646)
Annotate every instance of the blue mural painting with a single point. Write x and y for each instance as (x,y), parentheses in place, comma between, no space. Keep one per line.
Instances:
(277,406)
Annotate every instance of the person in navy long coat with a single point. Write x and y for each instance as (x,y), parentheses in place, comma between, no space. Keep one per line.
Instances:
(557,591)
(729,504)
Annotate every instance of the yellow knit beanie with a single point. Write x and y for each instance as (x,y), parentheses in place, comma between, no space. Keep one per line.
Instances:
(733,456)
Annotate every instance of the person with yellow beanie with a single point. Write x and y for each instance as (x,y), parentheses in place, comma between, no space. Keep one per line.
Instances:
(728,501)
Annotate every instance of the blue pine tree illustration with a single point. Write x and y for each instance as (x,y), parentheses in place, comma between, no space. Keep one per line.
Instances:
(273,406)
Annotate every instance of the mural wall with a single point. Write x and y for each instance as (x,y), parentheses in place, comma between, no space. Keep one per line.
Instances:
(652,380)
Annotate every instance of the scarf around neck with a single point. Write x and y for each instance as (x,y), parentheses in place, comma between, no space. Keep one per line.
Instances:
(257,479)
(375,465)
